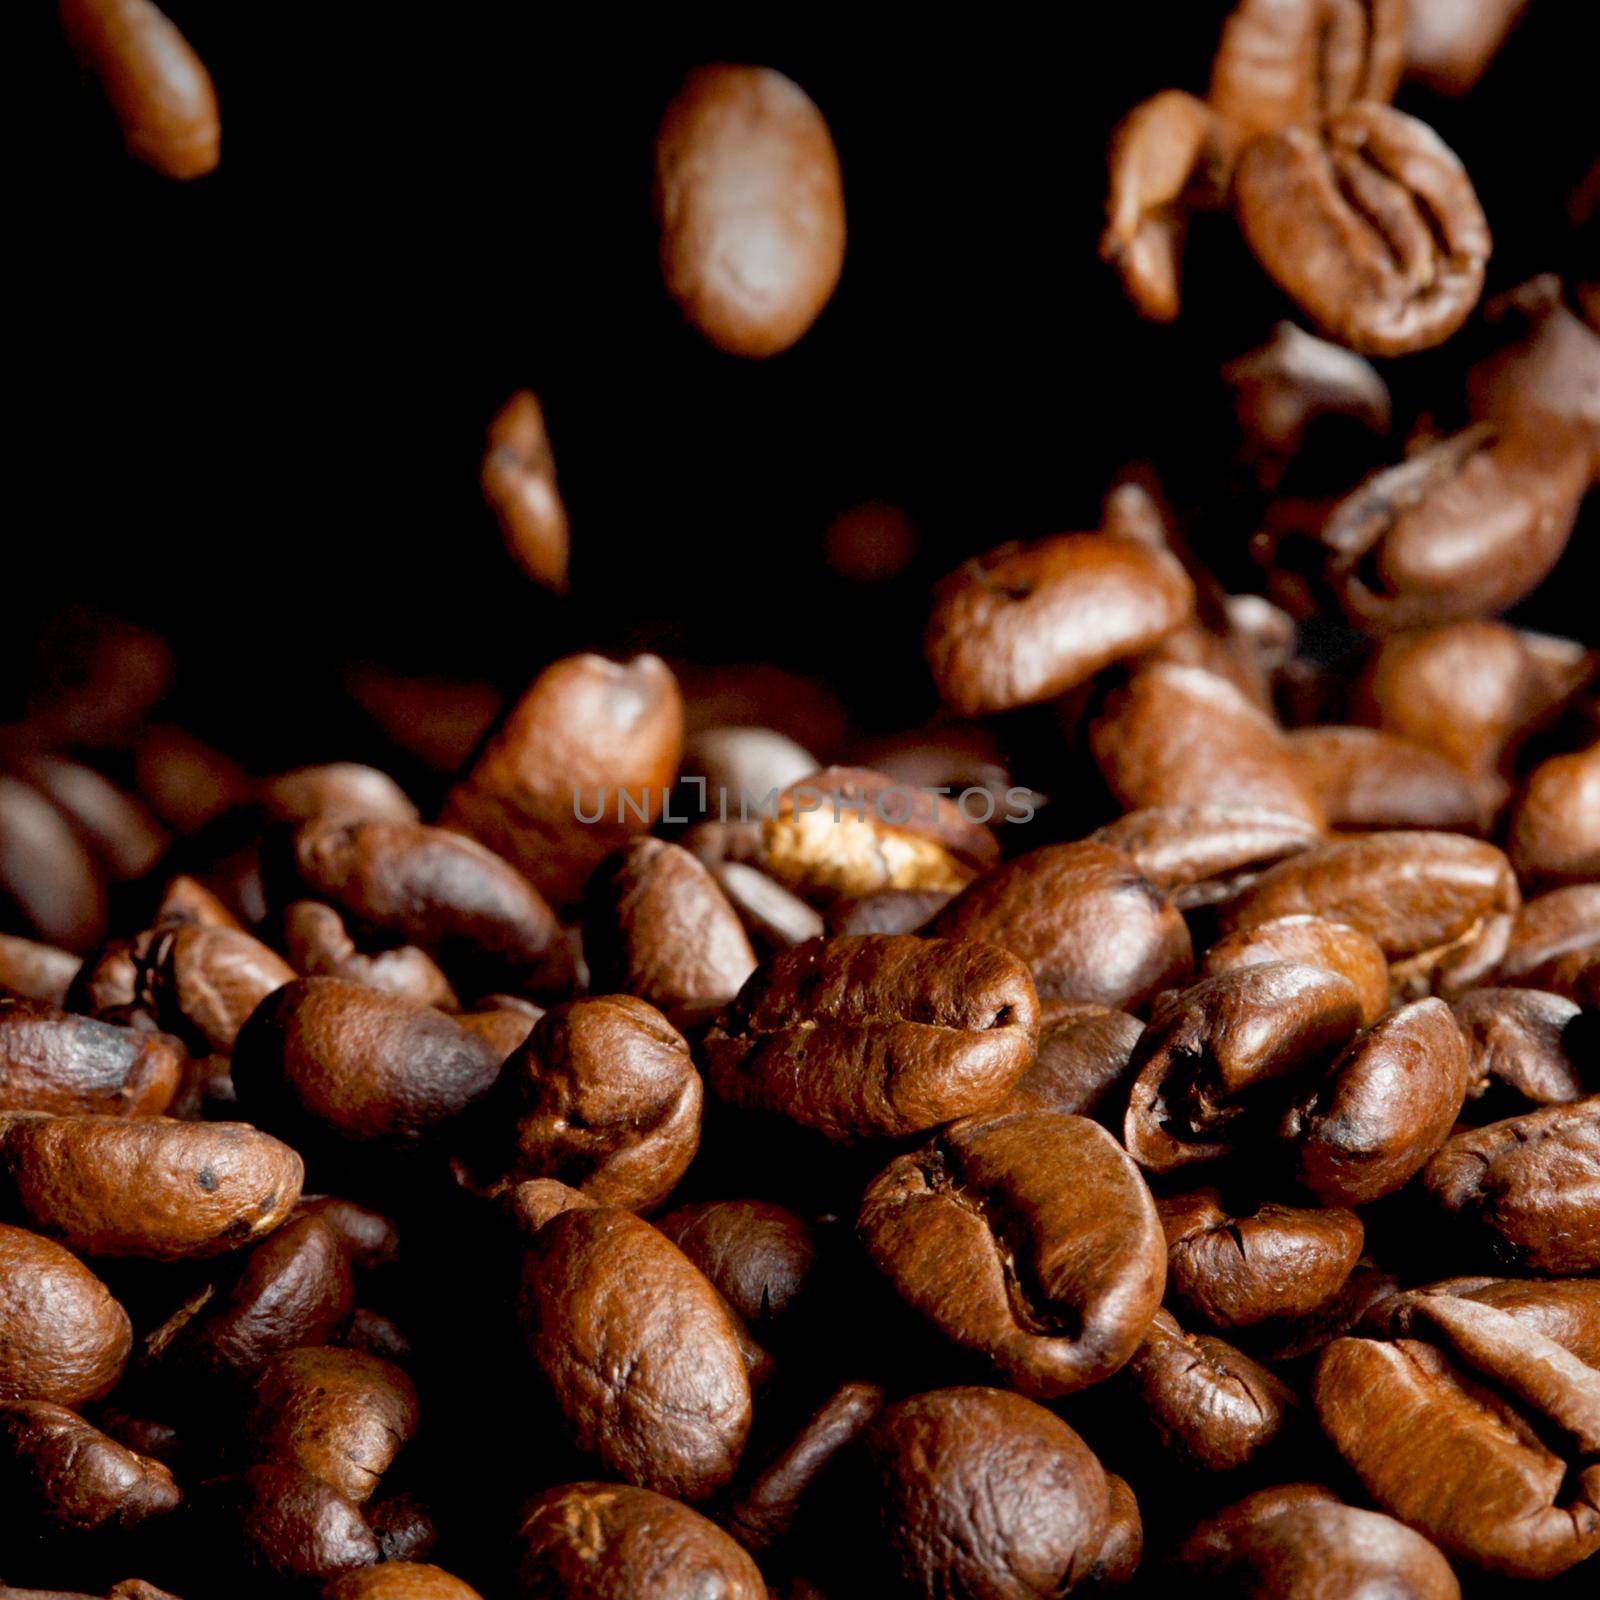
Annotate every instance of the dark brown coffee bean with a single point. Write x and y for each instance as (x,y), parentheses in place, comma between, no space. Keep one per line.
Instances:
(339,1059)
(158,87)
(729,760)
(31,971)
(204,983)
(603,1096)
(1218,1058)
(504,1028)
(280,1524)
(1370,225)
(758,1255)
(1207,1404)
(774,918)
(336,1414)
(1555,828)
(120,833)
(1548,926)
(1383,1108)
(1414,893)
(60,1474)
(319,946)
(1082,1060)
(344,789)
(1297,1542)
(657,926)
(594,1541)
(638,1352)
(983,1492)
(848,831)
(1475,1430)
(1564,1309)
(888,911)
(1180,736)
(590,738)
(1282,63)
(407,1530)
(46,871)
(1549,374)
(295,1289)
(1089,925)
(876,1037)
(1203,854)
(1030,1239)
(1025,623)
(399,1580)
(767,1507)
(52,1060)
(147,1187)
(1524,1042)
(1235,1270)
(1527,1190)
(1310,942)
(62,1336)
(370,1239)
(434,889)
(1160,158)
(750,205)
(1463,528)
(1366,779)
(518,476)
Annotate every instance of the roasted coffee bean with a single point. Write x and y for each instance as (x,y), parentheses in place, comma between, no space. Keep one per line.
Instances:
(504,1028)
(1208,1405)
(1082,1060)
(31,971)
(847,831)
(603,1096)
(1564,1309)
(774,918)
(768,1506)
(888,911)
(876,1037)
(1555,828)
(658,927)
(52,1060)
(187,900)
(1416,894)
(758,1255)
(592,739)
(732,761)
(59,1473)
(336,1414)
(399,1580)
(158,87)
(750,204)
(341,1060)
(1282,63)
(1310,942)
(979,1491)
(1180,736)
(638,1352)
(1451,43)
(120,833)
(406,1528)
(1030,1239)
(46,871)
(280,1524)
(1363,778)
(1549,374)
(344,789)
(1383,1107)
(1088,924)
(1475,1430)
(1524,1042)
(1548,926)
(204,983)
(1527,1190)
(1202,854)
(1160,159)
(1025,623)
(518,476)
(1219,1058)
(295,1289)
(1237,1269)
(147,1187)
(370,1239)
(62,1336)
(1297,1542)
(319,946)
(1463,528)
(434,889)
(1400,241)
(593,1541)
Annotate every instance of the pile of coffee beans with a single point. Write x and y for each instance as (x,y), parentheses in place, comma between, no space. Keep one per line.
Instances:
(656,1140)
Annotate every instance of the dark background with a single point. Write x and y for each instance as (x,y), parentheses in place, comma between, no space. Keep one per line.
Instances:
(253,407)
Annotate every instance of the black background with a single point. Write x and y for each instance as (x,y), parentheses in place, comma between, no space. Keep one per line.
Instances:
(253,406)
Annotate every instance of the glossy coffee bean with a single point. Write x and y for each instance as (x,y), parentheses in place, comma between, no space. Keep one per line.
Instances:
(518,476)
(52,1060)
(1310,942)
